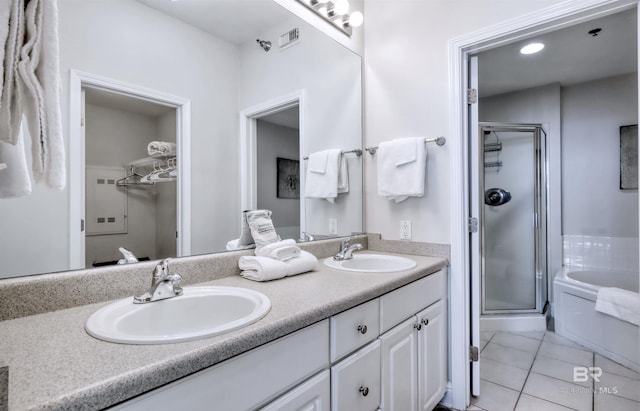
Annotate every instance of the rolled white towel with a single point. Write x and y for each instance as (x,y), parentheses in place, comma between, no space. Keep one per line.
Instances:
(234,245)
(258,268)
(282,250)
(161,148)
(619,303)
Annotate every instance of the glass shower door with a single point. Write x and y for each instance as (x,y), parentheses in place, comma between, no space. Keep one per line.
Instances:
(513,198)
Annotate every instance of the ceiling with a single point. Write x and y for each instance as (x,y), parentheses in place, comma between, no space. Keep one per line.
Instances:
(121,102)
(570,56)
(235,21)
(287,118)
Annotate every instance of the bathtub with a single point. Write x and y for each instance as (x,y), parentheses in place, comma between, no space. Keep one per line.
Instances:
(575,292)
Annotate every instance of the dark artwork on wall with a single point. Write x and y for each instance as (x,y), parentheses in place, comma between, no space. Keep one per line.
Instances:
(629,157)
(288,178)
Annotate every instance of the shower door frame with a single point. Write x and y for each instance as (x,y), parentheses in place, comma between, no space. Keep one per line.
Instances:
(540,217)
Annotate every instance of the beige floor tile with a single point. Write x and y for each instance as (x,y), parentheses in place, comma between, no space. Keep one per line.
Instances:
(502,374)
(617,385)
(567,354)
(507,355)
(557,369)
(483,344)
(529,403)
(603,402)
(494,397)
(475,408)
(613,367)
(559,392)
(516,341)
(486,335)
(552,337)
(536,335)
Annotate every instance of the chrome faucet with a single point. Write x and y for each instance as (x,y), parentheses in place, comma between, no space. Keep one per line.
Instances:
(306,237)
(163,284)
(346,250)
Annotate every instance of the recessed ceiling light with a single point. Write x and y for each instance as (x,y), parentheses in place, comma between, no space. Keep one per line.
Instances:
(532,48)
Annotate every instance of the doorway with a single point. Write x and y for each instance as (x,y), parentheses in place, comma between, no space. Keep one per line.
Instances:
(179,121)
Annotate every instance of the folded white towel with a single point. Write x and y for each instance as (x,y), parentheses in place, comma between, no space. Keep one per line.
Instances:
(402,168)
(619,303)
(161,148)
(14,179)
(12,23)
(235,245)
(264,268)
(322,182)
(282,250)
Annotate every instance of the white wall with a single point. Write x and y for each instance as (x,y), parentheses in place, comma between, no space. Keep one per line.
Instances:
(275,141)
(166,200)
(113,138)
(330,77)
(592,114)
(407,94)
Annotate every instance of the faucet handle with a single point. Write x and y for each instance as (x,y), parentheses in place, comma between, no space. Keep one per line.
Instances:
(345,242)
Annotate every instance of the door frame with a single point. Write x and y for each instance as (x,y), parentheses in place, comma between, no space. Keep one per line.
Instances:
(79,80)
(552,18)
(248,147)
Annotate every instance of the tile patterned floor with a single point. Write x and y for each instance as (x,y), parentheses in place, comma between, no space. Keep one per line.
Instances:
(534,372)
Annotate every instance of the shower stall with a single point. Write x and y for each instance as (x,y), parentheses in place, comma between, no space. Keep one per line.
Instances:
(513,196)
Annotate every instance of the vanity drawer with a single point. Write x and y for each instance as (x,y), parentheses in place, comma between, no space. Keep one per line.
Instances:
(246,381)
(404,302)
(312,395)
(354,328)
(355,381)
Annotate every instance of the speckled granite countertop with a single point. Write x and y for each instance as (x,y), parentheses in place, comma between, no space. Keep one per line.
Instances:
(54,364)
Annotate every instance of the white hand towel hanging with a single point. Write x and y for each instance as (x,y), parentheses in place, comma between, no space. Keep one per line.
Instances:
(39,85)
(402,168)
(14,178)
(322,174)
(11,40)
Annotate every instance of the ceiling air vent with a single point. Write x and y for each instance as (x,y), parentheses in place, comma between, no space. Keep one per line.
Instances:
(289,38)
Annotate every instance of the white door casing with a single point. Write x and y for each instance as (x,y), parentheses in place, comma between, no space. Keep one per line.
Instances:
(79,80)
(552,18)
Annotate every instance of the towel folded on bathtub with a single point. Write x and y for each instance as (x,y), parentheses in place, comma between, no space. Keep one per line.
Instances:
(619,303)
(266,268)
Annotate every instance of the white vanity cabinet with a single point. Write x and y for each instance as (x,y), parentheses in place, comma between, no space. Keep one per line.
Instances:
(414,353)
(389,353)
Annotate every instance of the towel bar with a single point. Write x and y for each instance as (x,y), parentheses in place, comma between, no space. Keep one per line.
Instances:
(355,151)
(438,140)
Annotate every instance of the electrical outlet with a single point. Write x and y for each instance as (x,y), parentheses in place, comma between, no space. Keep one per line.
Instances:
(405,229)
(333,226)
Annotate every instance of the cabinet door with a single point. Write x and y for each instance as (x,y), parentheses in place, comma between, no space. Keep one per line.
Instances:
(355,381)
(432,355)
(399,367)
(312,395)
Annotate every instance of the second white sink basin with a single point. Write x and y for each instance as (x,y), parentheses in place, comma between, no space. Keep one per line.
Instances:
(372,263)
(200,312)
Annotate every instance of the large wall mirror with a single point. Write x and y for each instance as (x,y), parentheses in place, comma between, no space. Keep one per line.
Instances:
(255,110)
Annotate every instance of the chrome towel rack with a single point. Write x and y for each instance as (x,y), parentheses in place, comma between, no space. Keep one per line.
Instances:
(438,140)
(355,151)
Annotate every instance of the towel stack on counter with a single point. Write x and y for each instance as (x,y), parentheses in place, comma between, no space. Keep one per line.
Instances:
(402,168)
(273,258)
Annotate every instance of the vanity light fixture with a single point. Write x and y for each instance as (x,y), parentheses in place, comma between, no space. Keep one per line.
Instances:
(336,12)
(532,48)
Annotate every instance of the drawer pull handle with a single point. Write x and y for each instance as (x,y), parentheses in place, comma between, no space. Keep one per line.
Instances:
(425,321)
(417,326)
(364,391)
(362,328)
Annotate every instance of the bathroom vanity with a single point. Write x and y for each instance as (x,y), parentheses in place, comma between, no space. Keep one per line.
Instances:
(332,340)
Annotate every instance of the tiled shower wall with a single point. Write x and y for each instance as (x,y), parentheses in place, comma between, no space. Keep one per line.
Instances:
(612,253)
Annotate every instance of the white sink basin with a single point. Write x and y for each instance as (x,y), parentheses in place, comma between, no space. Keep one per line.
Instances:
(372,263)
(200,312)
